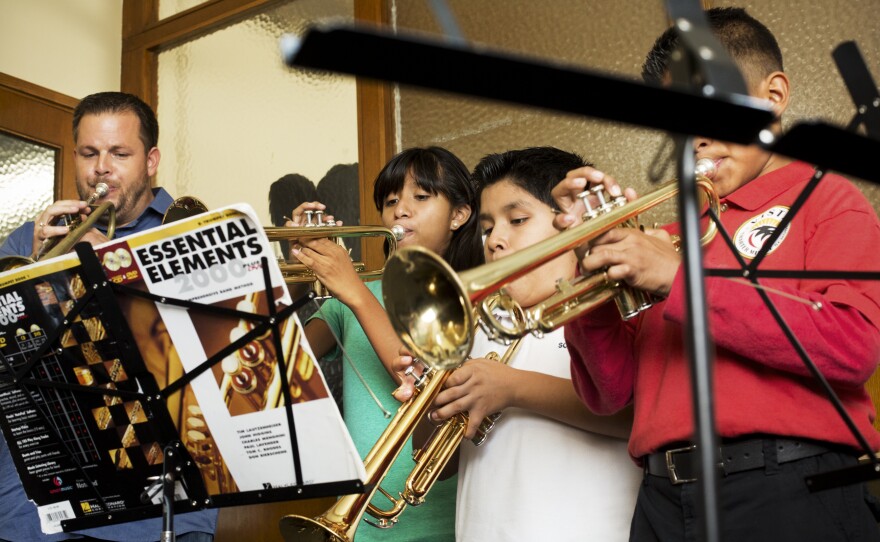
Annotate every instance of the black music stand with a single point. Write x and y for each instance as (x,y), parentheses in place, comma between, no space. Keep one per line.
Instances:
(77,402)
(149,425)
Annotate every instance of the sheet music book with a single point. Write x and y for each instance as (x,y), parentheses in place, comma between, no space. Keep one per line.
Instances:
(230,418)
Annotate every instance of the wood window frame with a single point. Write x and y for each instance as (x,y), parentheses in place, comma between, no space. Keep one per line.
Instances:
(144,36)
(37,114)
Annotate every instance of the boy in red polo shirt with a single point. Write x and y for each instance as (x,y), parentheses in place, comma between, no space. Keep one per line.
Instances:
(775,424)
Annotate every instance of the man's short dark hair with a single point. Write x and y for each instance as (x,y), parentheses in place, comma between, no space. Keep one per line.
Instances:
(119,102)
(751,45)
(535,169)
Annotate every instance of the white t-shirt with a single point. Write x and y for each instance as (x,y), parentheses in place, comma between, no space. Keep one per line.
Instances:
(535,478)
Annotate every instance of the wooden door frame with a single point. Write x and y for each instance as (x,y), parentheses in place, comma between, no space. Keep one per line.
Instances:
(43,116)
(144,36)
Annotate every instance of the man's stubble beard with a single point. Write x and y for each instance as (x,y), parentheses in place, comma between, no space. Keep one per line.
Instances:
(123,204)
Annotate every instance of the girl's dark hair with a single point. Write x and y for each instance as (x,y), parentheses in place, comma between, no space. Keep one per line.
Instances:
(536,170)
(437,171)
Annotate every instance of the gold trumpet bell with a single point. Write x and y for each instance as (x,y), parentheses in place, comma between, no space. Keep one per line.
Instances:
(184,207)
(440,336)
(8,263)
(305,529)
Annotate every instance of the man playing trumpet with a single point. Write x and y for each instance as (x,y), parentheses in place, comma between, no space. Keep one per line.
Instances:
(115,137)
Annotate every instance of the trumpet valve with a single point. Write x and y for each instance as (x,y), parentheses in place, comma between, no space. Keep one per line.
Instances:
(590,211)
(604,204)
(382,523)
(485,428)
(309,216)
(491,332)
(418,380)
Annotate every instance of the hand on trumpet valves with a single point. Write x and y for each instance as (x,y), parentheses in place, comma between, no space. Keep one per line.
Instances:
(407,371)
(52,222)
(304,216)
(646,260)
(567,193)
(310,213)
(479,387)
(331,263)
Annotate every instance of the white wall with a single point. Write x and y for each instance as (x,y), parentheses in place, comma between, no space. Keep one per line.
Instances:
(70,46)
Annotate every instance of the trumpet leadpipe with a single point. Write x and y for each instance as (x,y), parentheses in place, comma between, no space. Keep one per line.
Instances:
(296,273)
(77,227)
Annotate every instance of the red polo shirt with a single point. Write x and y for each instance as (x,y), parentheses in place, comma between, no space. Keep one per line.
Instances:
(760,383)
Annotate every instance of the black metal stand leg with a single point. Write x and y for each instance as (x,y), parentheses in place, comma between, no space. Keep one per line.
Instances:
(169,475)
(698,343)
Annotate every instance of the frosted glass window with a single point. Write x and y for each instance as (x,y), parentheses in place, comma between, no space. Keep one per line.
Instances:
(234,119)
(27,181)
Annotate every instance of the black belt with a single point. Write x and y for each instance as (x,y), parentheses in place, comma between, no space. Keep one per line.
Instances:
(680,464)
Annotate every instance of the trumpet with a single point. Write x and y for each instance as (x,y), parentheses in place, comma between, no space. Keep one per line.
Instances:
(432,308)
(296,273)
(339,523)
(77,228)
(314,228)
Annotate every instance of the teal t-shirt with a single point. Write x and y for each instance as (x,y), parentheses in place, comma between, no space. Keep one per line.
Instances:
(435,519)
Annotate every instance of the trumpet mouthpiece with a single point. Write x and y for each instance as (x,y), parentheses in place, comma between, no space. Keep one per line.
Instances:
(101,189)
(705,167)
(398,231)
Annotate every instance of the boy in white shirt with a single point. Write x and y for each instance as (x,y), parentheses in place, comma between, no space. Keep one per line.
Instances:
(550,469)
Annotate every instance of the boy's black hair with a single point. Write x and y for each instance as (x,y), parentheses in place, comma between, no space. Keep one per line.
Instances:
(535,169)
(339,190)
(287,193)
(119,102)
(437,171)
(751,45)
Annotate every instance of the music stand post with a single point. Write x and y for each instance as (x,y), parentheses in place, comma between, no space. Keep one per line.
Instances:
(63,431)
(170,468)
(699,62)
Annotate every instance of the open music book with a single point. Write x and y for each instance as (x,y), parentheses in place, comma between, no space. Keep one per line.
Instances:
(97,395)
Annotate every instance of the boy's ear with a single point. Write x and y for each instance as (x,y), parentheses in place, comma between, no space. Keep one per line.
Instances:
(777,88)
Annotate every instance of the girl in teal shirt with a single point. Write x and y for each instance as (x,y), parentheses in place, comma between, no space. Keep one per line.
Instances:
(429,193)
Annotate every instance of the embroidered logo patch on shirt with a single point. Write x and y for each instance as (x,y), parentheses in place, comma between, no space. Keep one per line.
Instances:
(753,233)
